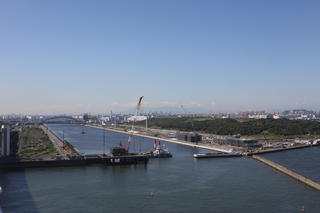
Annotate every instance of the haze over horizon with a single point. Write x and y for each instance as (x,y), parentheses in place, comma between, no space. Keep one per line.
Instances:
(209,56)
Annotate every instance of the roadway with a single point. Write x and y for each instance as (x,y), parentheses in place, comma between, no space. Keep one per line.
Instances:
(57,142)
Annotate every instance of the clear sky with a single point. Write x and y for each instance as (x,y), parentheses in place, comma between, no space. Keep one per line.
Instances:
(67,56)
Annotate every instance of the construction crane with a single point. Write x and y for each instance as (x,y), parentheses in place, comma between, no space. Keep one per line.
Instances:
(185,112)
(138,107)
(104,142)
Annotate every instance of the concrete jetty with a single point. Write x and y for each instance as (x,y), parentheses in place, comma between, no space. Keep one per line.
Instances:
(208,147)
(288,172)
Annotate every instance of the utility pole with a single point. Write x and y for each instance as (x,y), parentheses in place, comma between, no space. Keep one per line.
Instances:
(146,123)
(104,142)
(186,114)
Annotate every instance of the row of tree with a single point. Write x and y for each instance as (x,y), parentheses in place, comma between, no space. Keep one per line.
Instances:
(282,127)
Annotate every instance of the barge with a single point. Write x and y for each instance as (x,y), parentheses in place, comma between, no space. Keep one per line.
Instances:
(217,155)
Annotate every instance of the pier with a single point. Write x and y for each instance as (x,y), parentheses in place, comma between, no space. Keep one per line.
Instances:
(288,172)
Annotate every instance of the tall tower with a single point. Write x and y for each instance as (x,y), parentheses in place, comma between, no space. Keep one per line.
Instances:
(5,140)
(8,140)
(2,140)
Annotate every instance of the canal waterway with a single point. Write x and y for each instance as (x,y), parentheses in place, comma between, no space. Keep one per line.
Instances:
(178,184)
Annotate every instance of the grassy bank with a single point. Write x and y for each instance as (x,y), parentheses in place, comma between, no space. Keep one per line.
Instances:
(34,144)
(260,128)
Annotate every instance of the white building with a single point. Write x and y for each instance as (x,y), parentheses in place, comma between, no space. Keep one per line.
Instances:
(137,118)
(276,116)
(104,118)
(258,116)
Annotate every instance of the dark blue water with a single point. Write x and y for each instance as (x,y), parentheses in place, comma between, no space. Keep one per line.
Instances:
(179,184)
(304,161)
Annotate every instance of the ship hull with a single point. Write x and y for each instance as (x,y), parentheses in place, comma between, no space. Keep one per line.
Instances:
(214,155)
(165,155)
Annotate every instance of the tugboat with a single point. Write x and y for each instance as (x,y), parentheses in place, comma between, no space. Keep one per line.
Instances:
(159,152)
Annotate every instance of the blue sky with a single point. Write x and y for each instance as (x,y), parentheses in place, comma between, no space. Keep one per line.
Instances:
(210,56)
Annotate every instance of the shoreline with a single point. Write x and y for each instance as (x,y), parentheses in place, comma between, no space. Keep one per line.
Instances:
(165,139)
(202,146)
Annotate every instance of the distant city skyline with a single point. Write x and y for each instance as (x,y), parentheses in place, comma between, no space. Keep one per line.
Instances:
(209,56)
(147,108)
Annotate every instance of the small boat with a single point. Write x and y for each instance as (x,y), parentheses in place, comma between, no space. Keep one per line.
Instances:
(216,155)
(133,132)
(159,152)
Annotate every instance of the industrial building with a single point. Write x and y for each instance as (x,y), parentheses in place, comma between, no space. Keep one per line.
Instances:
(240,142)
(189,137)
(5,140)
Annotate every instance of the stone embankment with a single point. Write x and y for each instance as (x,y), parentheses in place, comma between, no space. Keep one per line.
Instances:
(64,148)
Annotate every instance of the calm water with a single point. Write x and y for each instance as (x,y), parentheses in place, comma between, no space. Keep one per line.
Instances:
(179,184)
(304,161)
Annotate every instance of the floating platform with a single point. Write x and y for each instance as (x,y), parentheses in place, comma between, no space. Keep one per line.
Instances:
(84,161)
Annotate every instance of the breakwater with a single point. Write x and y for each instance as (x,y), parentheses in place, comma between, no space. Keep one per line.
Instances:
(288,172)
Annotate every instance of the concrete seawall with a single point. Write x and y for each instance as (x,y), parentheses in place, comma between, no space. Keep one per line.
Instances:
(213,148)
(282,149)
(288,172)
(204,146)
